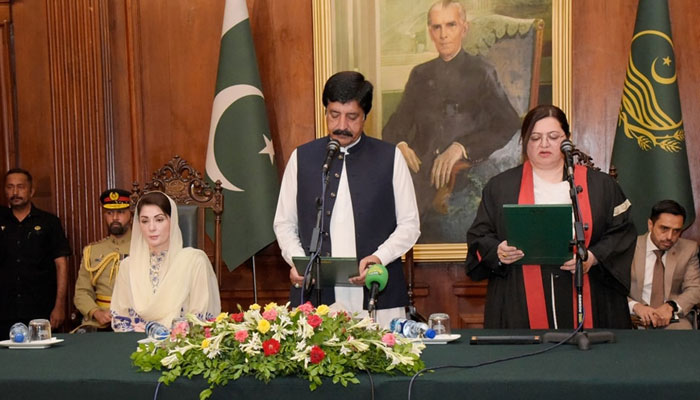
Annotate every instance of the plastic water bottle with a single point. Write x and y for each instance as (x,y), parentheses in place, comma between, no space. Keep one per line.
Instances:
(19,333)
(156,331)
(396,325)
(411,329)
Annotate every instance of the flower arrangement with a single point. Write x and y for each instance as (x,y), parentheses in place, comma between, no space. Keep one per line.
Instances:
(274,341)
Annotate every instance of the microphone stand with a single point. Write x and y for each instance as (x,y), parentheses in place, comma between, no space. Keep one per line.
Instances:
(582,338)
(316,244)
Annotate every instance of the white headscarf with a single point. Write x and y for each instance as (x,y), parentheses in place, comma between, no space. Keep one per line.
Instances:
(187,278)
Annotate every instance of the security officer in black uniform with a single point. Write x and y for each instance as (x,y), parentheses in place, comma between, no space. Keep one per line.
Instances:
(33,259)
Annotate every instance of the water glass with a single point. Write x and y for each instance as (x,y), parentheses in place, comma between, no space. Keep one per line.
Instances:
(440,323)
(39,329)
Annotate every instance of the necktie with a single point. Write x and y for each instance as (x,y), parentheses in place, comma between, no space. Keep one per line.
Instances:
(657,283)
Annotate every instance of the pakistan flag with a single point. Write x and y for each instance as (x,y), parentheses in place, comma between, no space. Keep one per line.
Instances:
(240,152)
(650,149)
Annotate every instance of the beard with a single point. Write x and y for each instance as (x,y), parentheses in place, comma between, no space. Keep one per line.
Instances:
(117,229)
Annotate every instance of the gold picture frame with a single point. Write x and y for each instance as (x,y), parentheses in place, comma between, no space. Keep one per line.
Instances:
(324,40)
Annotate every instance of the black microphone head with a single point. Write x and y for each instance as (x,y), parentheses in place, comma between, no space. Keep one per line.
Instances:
(566,146)
(333,145)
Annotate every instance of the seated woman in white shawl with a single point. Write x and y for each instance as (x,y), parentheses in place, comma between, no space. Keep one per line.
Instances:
(161,280)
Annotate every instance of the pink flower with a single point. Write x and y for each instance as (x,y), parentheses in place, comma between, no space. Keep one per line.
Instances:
(207,332)
(389,339)
(270,314)
(314,320)
(271,347)
(180,329)
(317,355)
(237,317)
(241,335)
(306,308)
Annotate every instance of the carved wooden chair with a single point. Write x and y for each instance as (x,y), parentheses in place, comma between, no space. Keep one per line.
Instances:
(193,196)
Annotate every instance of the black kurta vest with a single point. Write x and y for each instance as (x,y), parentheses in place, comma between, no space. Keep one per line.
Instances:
(370,168)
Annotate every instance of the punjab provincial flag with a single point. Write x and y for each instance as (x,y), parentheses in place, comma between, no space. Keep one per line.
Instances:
(649,152)
(240,152)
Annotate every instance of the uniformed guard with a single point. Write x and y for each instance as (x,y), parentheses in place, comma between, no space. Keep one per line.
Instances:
(100,263)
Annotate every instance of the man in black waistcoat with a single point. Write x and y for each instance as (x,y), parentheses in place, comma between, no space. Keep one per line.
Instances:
(33,258)
(370,203)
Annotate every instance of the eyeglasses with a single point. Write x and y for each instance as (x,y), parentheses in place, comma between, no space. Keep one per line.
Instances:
(552,136)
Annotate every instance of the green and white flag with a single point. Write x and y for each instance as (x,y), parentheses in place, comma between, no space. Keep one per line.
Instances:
(240,152)
(649,152)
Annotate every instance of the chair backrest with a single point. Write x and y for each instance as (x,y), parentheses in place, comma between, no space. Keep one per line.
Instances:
(514,47)
(193,196)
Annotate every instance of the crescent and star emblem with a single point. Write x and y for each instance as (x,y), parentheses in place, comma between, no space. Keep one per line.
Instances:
(642,115)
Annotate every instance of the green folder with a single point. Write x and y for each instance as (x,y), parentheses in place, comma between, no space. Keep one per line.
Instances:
(542,231)
(335,271)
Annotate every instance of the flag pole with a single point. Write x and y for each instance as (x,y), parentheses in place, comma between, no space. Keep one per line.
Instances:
(255,283)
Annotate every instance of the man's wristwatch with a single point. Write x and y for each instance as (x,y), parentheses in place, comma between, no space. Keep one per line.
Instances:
(673,305)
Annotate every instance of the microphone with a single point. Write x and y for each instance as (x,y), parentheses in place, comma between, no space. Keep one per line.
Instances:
(331,150)
(375,281)
(518,339)
(567,149)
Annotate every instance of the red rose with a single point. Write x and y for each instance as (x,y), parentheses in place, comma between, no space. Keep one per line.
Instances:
(237,317)
(314,320)
(317,355)
(271,346)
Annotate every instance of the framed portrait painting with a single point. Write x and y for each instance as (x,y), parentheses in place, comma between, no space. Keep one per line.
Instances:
(452,83)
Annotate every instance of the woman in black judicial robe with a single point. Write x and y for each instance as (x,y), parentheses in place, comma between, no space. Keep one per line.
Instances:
(542,297)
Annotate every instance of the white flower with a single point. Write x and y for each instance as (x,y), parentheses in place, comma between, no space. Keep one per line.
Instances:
(170,361)
(395,357)
(416,348)
(304,330)
(345,351)
(252,316)
(366,323)
(358,344)
(214,345)
(302,354)
(252,346)
(334,339)
(281,328)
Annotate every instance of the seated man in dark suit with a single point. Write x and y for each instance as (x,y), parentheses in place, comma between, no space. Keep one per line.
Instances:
(665,272)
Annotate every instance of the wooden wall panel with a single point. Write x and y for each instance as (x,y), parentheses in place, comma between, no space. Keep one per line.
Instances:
(34,124)
(283,34)
(78,107)
(179,79)
(8,138)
